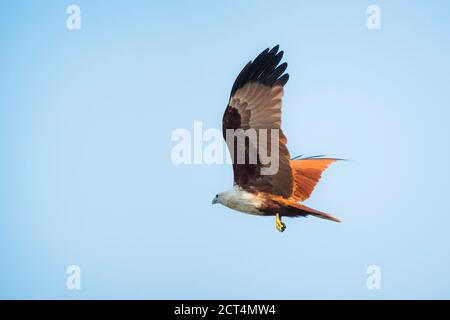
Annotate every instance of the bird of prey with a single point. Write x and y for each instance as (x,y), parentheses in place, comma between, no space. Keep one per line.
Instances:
(255,104)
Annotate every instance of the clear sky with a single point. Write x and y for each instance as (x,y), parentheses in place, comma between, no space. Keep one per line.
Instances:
(86,176)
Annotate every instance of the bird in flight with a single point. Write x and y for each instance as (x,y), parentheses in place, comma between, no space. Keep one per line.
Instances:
(255,105)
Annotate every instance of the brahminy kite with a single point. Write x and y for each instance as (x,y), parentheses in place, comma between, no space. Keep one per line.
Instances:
(255,104)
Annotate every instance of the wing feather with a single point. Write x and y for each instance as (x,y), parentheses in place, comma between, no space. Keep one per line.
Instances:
(255,103)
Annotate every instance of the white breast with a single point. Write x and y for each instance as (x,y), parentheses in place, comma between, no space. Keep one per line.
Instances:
(241,200)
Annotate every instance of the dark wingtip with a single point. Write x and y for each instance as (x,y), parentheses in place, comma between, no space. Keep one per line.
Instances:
(282,80)
(264,69)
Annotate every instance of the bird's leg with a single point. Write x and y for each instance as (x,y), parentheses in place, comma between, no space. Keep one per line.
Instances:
(279,224)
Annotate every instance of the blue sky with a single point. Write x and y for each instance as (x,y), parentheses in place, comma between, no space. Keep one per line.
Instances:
(86,118)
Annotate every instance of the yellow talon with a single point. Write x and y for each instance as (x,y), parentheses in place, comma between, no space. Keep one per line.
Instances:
(279,224)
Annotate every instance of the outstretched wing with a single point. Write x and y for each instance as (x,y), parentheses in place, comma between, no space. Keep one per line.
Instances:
(255,103)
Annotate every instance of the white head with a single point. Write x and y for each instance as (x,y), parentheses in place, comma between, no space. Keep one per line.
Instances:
(221,198)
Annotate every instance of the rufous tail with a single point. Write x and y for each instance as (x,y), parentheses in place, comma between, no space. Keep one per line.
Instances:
(294,209)
(307,173)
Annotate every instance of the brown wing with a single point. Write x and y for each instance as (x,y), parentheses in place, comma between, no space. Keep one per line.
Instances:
(255,103)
